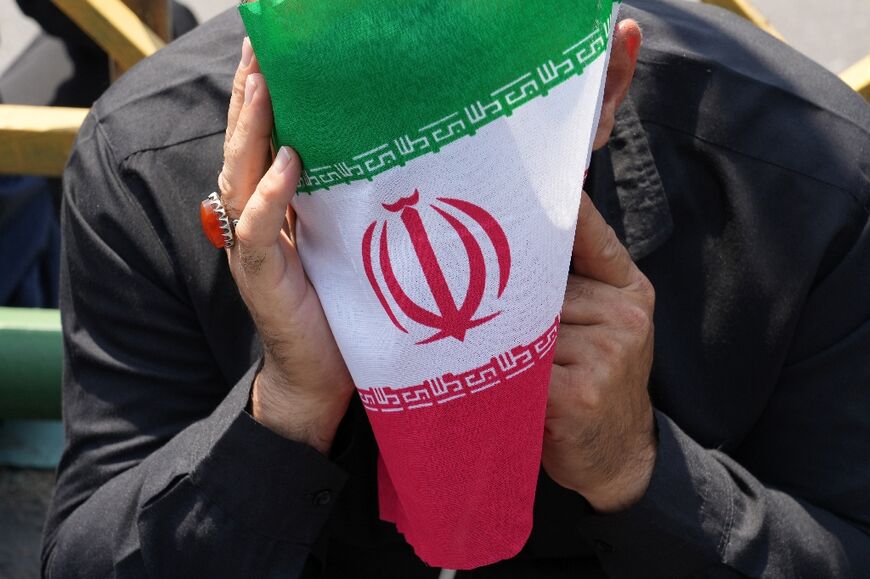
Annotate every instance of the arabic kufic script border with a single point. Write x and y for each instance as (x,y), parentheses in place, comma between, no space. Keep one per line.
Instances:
(449,386)
(434,135)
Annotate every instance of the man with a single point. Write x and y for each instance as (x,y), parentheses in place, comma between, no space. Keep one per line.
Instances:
(736,175)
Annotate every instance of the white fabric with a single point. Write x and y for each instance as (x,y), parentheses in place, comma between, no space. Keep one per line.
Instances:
(526,170)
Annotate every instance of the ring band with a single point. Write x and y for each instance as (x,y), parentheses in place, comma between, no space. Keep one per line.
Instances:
(215,223)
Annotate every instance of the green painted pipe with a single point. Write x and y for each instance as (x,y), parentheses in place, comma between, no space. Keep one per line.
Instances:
(31,361)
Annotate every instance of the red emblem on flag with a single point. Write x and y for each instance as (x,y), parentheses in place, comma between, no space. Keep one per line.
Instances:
(452,319)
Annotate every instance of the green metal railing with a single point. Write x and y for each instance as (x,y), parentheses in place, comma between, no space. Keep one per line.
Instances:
(31,358)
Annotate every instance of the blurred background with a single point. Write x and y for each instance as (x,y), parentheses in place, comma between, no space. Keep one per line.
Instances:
(836,35)
(17,31)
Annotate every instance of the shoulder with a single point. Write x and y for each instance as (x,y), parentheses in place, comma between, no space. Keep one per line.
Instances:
(178,95)
(151,150)
(711,76)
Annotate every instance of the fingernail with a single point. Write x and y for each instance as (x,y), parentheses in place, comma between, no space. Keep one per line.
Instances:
(633,46)
(282,160)
(250,88)
(247,53)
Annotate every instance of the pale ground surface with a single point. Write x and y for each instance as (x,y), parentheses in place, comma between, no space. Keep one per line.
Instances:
(834,38)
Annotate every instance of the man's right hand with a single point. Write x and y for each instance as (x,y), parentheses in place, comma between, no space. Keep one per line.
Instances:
(304,387)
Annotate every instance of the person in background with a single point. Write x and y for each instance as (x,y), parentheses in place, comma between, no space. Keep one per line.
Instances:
(62,66)
(73,72)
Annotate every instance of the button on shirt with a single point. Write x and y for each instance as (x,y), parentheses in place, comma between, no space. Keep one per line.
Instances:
(738,176)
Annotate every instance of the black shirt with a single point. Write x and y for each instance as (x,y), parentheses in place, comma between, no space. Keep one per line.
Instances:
(739,178)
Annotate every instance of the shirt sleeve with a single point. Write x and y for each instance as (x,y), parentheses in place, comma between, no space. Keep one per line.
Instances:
(794,499)
(164,474)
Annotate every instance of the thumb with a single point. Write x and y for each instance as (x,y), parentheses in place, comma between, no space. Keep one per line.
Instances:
(598,253)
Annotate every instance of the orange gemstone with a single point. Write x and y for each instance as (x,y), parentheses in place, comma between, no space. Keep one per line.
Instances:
(211,224)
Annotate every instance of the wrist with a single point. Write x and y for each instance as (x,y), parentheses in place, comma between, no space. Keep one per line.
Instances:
(307,417)
(626,488)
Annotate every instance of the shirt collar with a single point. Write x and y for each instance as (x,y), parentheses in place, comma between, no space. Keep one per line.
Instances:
(625,185)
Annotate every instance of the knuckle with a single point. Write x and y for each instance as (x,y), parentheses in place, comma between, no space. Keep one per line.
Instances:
(610,247)
(609,348)
(581,392)
(239,84)
(251,262)
(232,151)
(557,432)
(646,290)
(243,128)
(272,187)
(634,318)
(225,184)
(589,399)
(268,186)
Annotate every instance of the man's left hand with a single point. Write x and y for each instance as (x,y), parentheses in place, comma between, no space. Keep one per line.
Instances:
(600,437)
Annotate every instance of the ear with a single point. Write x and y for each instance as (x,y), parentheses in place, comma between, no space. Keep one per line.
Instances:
(627,39)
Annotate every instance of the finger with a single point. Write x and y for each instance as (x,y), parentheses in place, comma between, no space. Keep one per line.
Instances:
(247,153)
(563,383)
(598,253)
(592,346)
(247,65)
(264,215)
(572,345)
(589,302)
(572,386)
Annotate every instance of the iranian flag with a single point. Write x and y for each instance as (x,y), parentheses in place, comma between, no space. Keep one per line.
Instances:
(445,144)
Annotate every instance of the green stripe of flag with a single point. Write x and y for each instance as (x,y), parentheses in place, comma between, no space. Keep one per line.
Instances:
(361,86)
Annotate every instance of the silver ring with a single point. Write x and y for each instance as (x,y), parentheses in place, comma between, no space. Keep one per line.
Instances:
(227,226)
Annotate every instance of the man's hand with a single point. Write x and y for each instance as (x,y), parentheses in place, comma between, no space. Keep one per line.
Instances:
(304,387)
(599,437)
